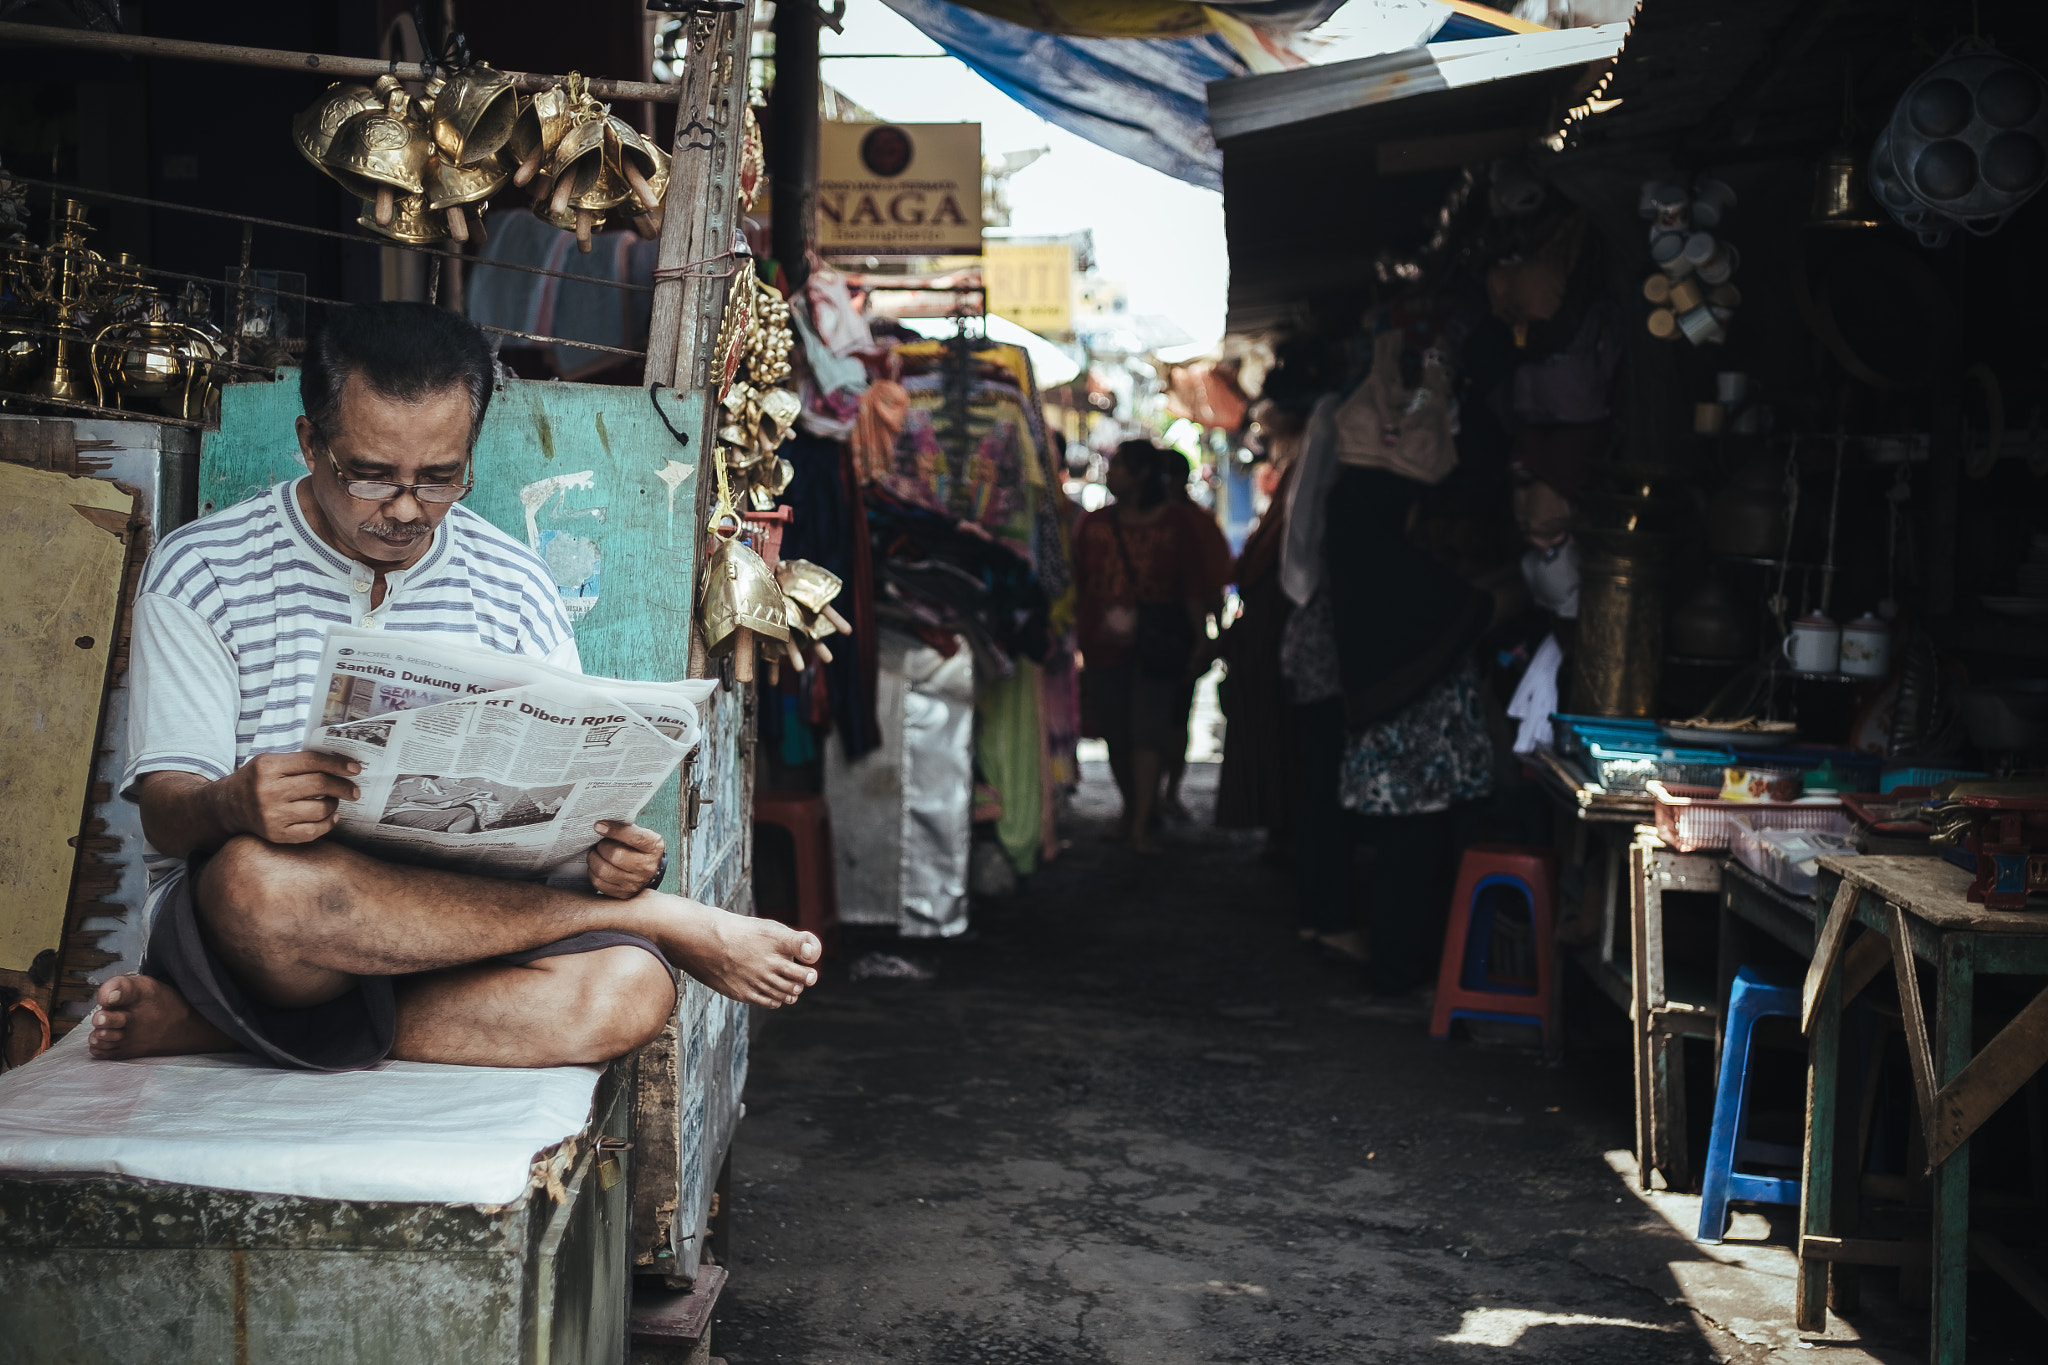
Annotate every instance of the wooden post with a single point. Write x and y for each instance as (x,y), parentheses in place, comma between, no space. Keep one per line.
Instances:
(696,265)
(793,140)
(1956,982)
(1817,1176)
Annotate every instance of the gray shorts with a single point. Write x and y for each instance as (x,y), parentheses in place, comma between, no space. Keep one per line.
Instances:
(348,1033)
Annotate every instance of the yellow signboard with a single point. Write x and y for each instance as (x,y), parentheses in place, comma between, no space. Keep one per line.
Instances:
(899,189)
(1032,286)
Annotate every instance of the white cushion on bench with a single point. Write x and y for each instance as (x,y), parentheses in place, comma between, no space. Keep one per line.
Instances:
(411,1132)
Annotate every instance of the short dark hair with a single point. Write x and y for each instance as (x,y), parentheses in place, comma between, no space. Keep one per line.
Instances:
(404,351)
(1145,461)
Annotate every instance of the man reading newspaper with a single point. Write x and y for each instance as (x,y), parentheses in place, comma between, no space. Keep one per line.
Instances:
(266,936)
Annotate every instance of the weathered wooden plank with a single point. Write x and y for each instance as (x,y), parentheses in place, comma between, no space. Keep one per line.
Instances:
(1827,952)
(1817,1162)
(1955,980)
(62,547)
(1914,1021)
(1933,889)
(1863,1251)
(1989,1079)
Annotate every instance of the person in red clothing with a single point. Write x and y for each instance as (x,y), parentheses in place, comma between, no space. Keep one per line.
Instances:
(1218,569)
(1141,604)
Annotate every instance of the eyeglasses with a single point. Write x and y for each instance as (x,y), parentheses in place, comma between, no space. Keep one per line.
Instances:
(377,490)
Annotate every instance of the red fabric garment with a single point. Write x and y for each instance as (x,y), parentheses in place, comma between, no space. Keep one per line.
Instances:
(883,407)
(1169,569)
(1212,549)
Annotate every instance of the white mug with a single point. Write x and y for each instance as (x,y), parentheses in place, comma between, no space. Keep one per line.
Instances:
(1814,646)
(1867,648)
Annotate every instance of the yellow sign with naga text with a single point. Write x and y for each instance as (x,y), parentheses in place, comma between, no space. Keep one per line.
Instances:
(899,189)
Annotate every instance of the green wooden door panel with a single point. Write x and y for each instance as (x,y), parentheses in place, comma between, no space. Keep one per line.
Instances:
(586,475)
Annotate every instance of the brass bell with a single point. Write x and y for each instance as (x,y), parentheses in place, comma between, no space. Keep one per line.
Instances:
(542,123)
(382,153)
(474,112)
(577,168)
(634,160)
(452,188)
(314,129)
(411,220)
(812,586)
(582,222)
(779,410)
(648,222)
(739,593)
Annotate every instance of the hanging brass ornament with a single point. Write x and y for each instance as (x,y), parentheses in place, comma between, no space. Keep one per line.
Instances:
(382,153)
(314,129)
(474,113)
(411,221)
(453,190)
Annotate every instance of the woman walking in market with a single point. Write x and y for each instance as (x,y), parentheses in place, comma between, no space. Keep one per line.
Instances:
(1141,604)
(1379,657)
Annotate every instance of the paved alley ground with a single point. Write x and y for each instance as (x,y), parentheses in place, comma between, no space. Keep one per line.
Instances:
(1131,1120)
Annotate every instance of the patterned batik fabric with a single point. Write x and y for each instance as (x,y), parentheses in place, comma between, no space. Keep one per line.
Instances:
(1308,652)
(1434,754)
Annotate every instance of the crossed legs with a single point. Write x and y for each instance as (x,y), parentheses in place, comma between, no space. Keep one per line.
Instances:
(297,924)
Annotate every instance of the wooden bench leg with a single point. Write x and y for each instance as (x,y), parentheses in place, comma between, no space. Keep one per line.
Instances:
(1817,1176)
(1956,981)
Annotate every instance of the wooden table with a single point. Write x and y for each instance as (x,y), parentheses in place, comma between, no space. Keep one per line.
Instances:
(1918,905)
(1661,1020)
(1601,824)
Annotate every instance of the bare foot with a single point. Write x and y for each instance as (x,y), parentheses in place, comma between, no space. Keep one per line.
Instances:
(1146,845)
(755,960)
(140,1016)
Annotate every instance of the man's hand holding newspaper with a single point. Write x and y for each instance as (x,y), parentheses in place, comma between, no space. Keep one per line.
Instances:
(487,762)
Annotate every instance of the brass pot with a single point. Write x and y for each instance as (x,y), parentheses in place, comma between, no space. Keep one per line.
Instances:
(1621,626)
(165,363)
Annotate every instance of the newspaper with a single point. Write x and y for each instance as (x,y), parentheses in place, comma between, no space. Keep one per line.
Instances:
(488,762)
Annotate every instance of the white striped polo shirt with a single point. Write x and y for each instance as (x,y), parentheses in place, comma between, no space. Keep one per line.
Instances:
(234,609)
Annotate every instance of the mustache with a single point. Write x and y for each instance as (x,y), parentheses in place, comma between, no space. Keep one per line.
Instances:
(397,530)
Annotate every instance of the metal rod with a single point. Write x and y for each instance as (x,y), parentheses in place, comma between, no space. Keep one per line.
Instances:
(15,325)
(344,303)
(312,63)
(81,192)
(122,413)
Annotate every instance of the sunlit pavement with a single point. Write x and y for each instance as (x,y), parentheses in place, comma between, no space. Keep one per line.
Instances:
(1132,1120)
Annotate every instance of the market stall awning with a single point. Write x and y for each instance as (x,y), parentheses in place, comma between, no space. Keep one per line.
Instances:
(1140,90)
(1506,81)
(1324,166)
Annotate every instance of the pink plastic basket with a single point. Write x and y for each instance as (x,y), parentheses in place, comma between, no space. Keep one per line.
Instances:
(1693,819)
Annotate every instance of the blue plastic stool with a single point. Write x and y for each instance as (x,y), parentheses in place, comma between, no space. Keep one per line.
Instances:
(1751,999)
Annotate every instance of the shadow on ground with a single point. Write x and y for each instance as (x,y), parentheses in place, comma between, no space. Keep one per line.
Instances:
(1131,1120)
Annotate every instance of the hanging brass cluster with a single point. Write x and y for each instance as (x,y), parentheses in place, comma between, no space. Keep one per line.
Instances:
(426,166)
(754,344)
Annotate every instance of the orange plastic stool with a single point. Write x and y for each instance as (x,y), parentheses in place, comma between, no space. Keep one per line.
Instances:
(1471,983)
(808,821)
